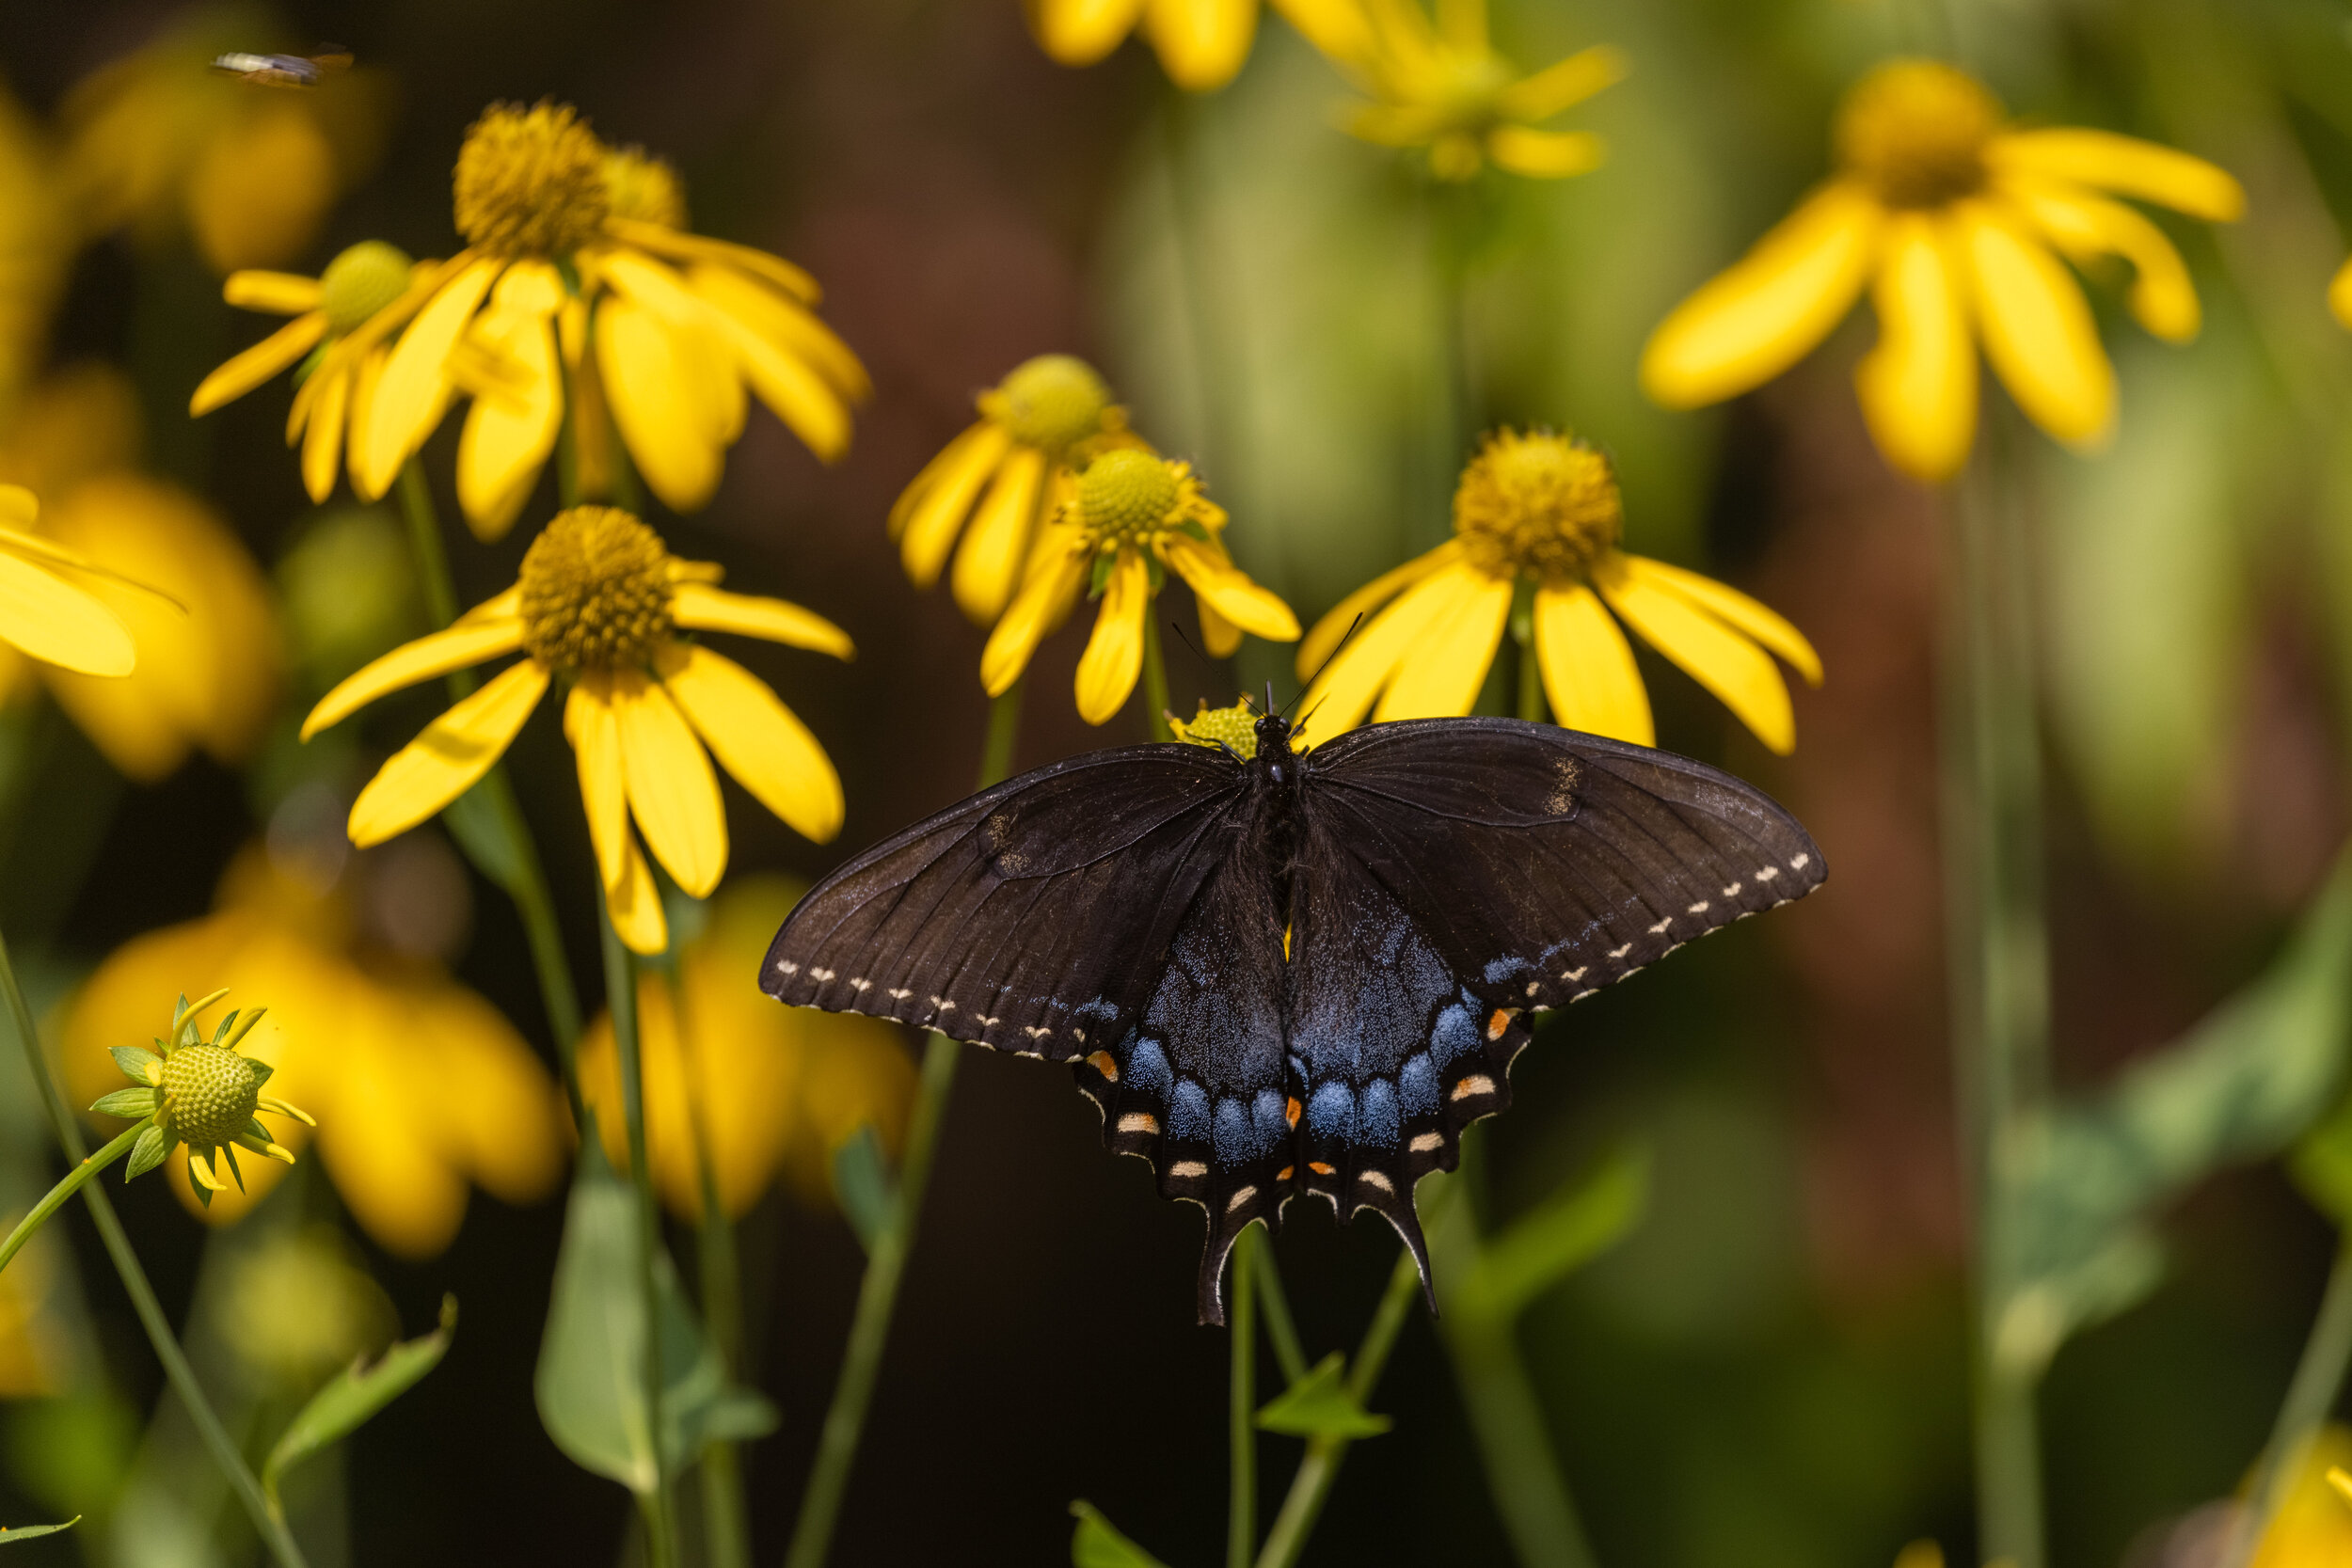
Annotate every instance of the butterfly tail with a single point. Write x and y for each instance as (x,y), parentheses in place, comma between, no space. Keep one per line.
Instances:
(1397,1209)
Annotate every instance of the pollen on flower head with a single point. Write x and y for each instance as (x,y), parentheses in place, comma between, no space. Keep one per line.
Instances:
(596,590)
(210,1094)
(1049,401)
(643,188)
(1541,503)
(531,181)
(1915,131)
(1127,493)
(1234,727)
(361,281)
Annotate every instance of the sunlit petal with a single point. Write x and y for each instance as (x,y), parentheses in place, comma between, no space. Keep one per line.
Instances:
(2087,227)
(1564,83)
(988,565)
(322,437)
(1201,43)
(784,320)
(452,754)
(459,647)
(1080,32)
(1114,656)
(2038,329)
(703,607)
(654,375)
(1919,382)
(933,507)
(671,791)
(1045,600)
(1545,155)
(1741,675)
(507,438)
(1219,582)
(793,390)
(634,902)
(1336,624)
(52,620)
(280,350)
(2340,295)
(1734,609)
(1589,674)
(2125,165)
(1440,676)
(1219,638)
(758,739)
(1354,677)
(414,387)
(594,732)
(280,293)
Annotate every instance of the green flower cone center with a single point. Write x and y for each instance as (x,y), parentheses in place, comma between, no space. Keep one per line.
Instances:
(531,181)
(1542,504)
(1915,131)
(1051,401)
(361,281)
(1124,495)
(596,590)
(1235,726)
(210,1094)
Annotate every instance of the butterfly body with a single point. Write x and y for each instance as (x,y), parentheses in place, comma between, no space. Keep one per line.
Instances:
(1292,973)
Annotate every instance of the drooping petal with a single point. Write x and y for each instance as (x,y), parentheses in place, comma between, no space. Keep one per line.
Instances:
(758,739)
(1343,693)
(594,730)
(703,607)
(1342,618)
(452,754)
(1217,581)
(414,387)
(679,245)
(458,647)
(52,620)
(1741,675)
(1919,382)
(322,437)
(1589,674)
(278,294)
(1080,32)
(1201,43)
(1045,600)
(367,375)
(988,565)
(1114,656)
(1337,28)
(701,340)
(2125,165)
(2038,329)
(933,507)
(671,791)
(651,375)
(507,602)
(2086,226)
(1768,309)
(1564,83)
(1219,636)
(634,903)
(1734,609)
(793,390)
(241,373)
(508,436)
(1441,677)
(783,320)
(1545,155)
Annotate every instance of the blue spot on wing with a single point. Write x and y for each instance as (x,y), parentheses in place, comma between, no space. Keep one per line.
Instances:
(1456,1036)
(1188,1112)
(1234,1138)
(1417,1085)
(1271,1118)
(1331,1112)
(1147,1066)
(1377,1120)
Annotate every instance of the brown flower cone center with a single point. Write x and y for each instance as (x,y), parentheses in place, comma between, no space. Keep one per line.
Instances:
(1541,504)
(1915,132)
(596,591)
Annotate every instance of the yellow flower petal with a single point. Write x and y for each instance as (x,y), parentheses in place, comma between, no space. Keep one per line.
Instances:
(52,620)
(680,246)
(280,293)
(507,437)
(1343,693)
(671,790)
(757,739)
(1564,83)
(459,647)
(2340,295)
(1441,677)
(1201,43)
(1589,674)
(1219,636)
(1341,617)
(634,903)
(1114,656)
(989,563)
(414,387)
(1770,308)
(784,320)
(502,1118)
(1744,614)
(367,375)
(1739,672)
(697,330)
(323,435)
(1219,582)
(655,377)
(932,507)
(1046,598)
(243,371)
(2125,165)
(1337,28)
(1080,32)
(2086,226)
(1545,155)
(19,507)
(703,607)
(507,603)
(594,730)
(792,389)
(2037,330)
(1918,383)
(452,754)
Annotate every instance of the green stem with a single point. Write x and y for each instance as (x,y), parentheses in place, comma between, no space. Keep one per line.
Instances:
(134,1284)
(66,1188)
(1275,1305)
(424,542)
(1155,677)
(2318,1378)
(1241,1524)
(1310,1487)
(886,1261)
(620,1003)
(1530,674)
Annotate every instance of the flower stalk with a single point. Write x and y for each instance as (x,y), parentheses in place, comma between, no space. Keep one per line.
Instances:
(1241,1523)
(66,1188)
(620,1001)
(2318,1378)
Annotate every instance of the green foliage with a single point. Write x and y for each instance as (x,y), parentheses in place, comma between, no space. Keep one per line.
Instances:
(1320,1405)
(31,1533)
(150,1151)
(1096,1544)
(128,1103)
(591,1379)
(1583,1219)
(862,1184)
(136,1062)
(355,1394)
(472,819)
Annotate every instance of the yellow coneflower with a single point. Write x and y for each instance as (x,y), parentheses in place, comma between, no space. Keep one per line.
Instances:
(666,327)
(1130,517)
(601,601)
(1035,427)
(365,281)
(772,1090)
(204,1094)
(1955,221)
(1201,43)
(1542,510)
(41,615)
(1442,85)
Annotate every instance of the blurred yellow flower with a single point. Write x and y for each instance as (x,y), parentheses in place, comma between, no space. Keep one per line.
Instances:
(2313,1525)
(418,1085)
(204,1094)
(38,1339)
(1201,43)
(41,615)
(1955,221)
(298,1306)
(37,242)
(680,327)
(601,601)
(770,1087)
(167,568)
(1130,519)
(1543,510)
(158,143)
(364,281)
(1440,84)
(1037,427)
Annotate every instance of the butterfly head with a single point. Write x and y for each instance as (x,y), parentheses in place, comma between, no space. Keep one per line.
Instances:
(1274,747)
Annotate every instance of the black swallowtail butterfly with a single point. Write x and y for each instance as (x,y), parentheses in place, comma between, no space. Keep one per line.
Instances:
(1299,972)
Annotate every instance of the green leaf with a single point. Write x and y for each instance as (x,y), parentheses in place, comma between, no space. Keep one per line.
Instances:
(1587,1216)
(862,1184)
(33,1532)
(130,1104)
(590,1378)
(1100,577)
(479,828)
(1096,1544)
(355,1394)
(147,1152)
(136,1062)
(1319,1405)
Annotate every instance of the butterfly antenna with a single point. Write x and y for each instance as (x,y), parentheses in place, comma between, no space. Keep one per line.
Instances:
(1353,627)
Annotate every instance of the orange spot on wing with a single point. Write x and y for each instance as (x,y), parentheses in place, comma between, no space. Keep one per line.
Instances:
(1497,1024)
(1102,1063)
(1290,1110)
(1284,1174)
(1320,1168)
